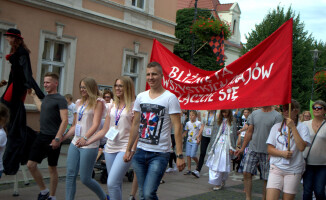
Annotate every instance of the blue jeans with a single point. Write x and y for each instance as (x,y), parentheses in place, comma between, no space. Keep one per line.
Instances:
(314,180)
(117,169)
(149,168)
(83,160)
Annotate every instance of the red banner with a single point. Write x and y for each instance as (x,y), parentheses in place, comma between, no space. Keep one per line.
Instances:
(261,77)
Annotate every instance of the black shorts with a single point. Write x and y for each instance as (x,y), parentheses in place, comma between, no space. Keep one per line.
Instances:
(41,149)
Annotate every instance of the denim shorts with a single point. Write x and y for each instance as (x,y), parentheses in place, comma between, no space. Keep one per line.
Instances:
(191,149)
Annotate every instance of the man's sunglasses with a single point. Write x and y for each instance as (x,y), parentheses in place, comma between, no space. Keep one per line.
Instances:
(317,107)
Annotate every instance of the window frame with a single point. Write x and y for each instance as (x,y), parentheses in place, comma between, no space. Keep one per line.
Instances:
(141,75)
(1,51)
(5,47)
(53,63)
(67,73)
(234,26)
(138,8)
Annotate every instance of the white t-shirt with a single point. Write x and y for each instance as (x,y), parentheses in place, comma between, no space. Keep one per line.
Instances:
(155,121)
(193,130)
(3,142)
(296,162)
(71,111)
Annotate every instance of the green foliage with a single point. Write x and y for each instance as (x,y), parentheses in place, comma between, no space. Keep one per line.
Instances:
(302,63)
(205,28)
(204,58)
(320,87)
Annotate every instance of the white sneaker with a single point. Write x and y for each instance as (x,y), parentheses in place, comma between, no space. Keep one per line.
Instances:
(175,168)
(196,173)
(169,170)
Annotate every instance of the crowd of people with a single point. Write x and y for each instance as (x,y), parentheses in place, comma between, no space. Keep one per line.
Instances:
(148,133)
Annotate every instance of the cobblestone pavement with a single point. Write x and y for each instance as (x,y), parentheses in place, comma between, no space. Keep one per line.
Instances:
(176,186)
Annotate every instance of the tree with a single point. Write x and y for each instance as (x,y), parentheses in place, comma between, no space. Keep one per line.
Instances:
(302,63)
(204,58)
(320,88)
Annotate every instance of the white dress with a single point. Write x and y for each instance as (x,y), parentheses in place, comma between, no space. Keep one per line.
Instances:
(219,160)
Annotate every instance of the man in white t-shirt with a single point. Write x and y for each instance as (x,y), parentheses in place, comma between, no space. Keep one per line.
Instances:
(155,110)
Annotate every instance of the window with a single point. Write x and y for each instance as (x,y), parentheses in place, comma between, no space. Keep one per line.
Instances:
(138,3)
(1,52)
(57,55)
(104,87)
(4,50)
(53,60)
(131,69)
(134,66)
(234,26)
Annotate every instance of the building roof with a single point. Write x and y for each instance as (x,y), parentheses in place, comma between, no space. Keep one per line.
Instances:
(227,42)
(224,7)
(209,4)
(184,4)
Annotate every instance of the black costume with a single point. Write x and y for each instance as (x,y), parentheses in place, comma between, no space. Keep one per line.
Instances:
(20,137)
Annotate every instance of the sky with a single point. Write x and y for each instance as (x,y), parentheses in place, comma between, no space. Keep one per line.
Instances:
(312,14)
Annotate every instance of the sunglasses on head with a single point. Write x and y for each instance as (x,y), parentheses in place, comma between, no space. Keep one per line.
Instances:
(317,107)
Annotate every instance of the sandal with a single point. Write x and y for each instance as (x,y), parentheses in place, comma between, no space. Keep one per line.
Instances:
(188,172)
(217,188)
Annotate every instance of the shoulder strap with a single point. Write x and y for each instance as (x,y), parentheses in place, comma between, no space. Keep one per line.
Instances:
(314,138)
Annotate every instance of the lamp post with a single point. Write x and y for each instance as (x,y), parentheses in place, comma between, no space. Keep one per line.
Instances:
(193,37)
(315,54)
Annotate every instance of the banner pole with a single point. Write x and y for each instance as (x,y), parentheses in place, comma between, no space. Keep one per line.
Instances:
(289,133)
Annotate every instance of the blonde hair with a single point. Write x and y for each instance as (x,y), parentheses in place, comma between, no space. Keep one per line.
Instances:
(92,91)
(128,92)
(303,113)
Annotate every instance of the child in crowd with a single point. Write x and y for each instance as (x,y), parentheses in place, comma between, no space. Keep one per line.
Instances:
(241,134)
(193,140)
(4,117)
(219,156)
(71,111)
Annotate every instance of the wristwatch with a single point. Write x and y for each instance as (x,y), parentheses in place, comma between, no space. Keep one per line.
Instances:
(180,156)
(57,139)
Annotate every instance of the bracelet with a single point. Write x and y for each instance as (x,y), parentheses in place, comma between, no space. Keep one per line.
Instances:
(85,138)
(132,150)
